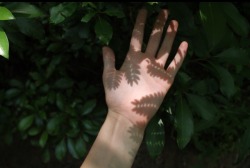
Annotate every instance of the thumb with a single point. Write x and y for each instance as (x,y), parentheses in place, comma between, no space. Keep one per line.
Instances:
(108,59)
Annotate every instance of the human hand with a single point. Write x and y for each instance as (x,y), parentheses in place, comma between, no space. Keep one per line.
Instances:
(137,90)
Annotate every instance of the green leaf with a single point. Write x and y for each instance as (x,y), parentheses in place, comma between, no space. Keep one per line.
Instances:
(88,125)
(199,87)
(53,125)
(5,14)
(64,83)
(244,146)
(60,101)
(25,122)
(103,31)
(54,47)
(12,93)
(71,148)
(4,44)
(88,106)
(184,124)
(211,15)
(8,138)
(62,11)
(115,11)
(155,137)
(80,146)
(46,156)
(200,45)
(30,27)
(227,86)
(43,139)
(152,3)
(202,106)
(86,18)
(91,4)
(183,79)
(34,131)
(235,56)
(16,83)
(60,150)
(25,9)
(235,20)
(73,132)
(73,122)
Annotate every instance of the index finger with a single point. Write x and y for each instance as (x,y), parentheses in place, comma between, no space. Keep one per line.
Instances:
(138,31)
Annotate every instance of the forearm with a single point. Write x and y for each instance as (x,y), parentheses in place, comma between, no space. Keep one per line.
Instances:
(116,144)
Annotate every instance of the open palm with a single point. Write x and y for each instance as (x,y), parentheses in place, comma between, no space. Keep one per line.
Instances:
(136,91)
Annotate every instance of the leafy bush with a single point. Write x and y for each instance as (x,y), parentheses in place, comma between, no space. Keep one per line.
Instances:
(51,86)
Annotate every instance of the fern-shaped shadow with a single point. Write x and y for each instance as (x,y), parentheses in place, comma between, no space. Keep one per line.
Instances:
(132,71)
(155,69)
(148,104)
(113,79)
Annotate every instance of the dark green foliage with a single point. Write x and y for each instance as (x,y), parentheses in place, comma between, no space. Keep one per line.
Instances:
(51,87)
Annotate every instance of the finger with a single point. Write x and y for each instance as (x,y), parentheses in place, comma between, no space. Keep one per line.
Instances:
(167,43)
(108,59)
(156,34)
(138,32)
(176,63)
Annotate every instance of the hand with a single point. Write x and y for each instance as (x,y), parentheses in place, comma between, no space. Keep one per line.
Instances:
(134,93)
(137,90)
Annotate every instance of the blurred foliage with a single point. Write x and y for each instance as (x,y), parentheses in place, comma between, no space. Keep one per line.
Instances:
(51,90)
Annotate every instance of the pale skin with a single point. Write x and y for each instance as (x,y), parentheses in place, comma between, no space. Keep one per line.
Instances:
(134,93)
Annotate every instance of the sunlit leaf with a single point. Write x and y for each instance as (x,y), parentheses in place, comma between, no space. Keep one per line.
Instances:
(155,137)
(5,14)
(4,44)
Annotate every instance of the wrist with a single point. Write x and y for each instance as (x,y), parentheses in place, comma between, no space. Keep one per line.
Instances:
(116,144)
(133,124)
